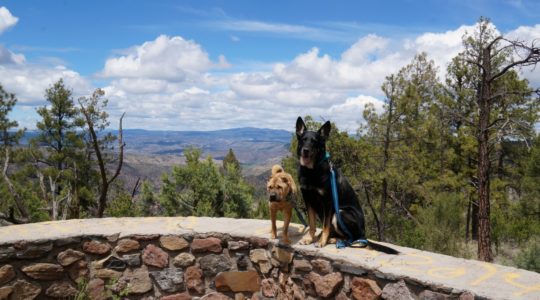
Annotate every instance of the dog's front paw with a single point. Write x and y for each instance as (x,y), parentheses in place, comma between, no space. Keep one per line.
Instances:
(306,240)
(320,244)
(286,241)
(273,236)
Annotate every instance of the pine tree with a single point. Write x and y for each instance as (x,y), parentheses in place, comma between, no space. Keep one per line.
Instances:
(8,139)
(57,150)
(96,119)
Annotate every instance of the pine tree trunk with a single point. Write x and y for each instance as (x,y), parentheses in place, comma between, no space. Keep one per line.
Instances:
(484,239)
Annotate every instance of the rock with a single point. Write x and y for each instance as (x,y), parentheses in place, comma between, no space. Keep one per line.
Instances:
(169,280)
(269,288)
(213,264)
(145,237)
(237,245)
(44,271)
(136,281)
(23,290)
(184,260)
(302,265)
(239,296)
(155,256)
(5,292)
(365,289)
(7,273)
(396,291)
(113,237)
(283,254)
(6,253)
(216,296)
(67,241)
(194,279)
(257,242)
(466,296)
(114,263)
(182,296)
(127,245)
(430,295)
(326,285)
(61,290)
(173,243)
(96,289)
(260,257)
(242,262)
(321,266)
(96,247)
(238,281)
(210,244)
(132,260)
(66,258)
(349,269)
(78,270)
(107,274)
(34,251)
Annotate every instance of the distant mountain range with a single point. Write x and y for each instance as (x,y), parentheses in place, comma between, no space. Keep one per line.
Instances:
(252,146)
(150,153)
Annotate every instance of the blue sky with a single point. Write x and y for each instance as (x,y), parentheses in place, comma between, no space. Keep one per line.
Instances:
(186,65)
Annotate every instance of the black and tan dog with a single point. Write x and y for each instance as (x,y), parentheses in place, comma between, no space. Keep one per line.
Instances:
(315,184)
(281,192)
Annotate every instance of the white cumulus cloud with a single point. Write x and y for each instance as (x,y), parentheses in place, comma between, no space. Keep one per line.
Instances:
(167,58)
(7,20)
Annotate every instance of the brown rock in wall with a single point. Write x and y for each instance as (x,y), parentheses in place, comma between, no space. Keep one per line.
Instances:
(66,258)
(210,244)
(155,256)
(365,289)
(326,285)
(238,281)
(127,245)
(173,243)
(5,292)
(61,290)
(96,247)
(23,290)
(194,279)
(44,271)
(6,274)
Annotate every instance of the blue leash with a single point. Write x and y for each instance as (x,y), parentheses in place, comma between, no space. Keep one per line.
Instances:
(350,242)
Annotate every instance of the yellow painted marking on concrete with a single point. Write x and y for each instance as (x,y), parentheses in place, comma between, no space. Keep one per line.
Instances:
(447,272)
(509,278)
(423,261)
(491,271)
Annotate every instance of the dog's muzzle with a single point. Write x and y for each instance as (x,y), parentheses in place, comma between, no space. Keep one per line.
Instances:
(273,197)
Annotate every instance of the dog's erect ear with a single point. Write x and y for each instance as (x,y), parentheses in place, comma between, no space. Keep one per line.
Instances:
(324,131)
(300,126)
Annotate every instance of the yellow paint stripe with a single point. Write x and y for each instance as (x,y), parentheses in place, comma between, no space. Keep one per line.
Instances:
(510,277)
(491,271)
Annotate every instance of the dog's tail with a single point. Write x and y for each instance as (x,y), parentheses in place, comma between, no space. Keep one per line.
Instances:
(382,248)
(277,169)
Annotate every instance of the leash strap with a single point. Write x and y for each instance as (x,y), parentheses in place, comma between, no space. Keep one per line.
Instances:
(360,243)
(298,212)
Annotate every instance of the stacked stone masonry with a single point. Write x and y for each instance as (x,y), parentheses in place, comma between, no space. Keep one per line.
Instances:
(188,266)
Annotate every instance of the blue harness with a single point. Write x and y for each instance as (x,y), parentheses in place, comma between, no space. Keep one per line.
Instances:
(350,242)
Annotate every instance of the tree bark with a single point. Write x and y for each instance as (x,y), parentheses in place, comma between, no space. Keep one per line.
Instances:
(484,107)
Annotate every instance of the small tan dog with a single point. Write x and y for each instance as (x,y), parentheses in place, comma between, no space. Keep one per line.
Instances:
(281,191)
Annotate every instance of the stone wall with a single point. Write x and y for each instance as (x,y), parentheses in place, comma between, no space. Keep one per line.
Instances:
(188,266)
